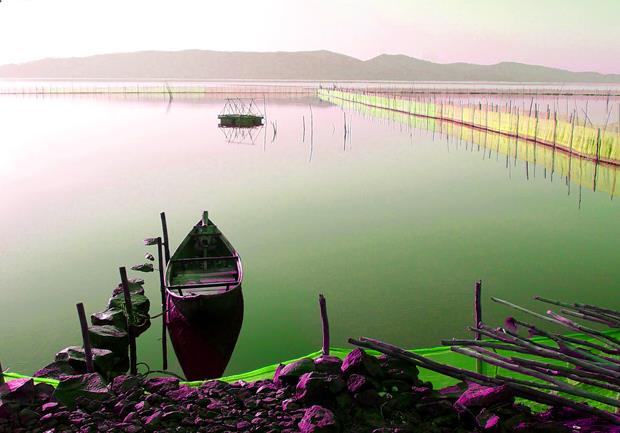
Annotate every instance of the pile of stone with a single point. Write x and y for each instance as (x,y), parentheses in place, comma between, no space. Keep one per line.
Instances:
(108,337)
(326,395)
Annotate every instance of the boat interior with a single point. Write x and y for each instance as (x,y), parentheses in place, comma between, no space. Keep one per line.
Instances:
(205,262)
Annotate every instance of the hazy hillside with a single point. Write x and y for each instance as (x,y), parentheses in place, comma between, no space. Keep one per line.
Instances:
(308,65)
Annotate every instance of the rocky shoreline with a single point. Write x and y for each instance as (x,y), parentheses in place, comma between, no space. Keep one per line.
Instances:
(361,393)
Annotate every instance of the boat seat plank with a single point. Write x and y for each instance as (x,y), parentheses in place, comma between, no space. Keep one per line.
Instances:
(203,259)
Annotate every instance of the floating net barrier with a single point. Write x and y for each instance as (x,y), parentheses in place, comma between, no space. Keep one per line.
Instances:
(576,136)
(580,171)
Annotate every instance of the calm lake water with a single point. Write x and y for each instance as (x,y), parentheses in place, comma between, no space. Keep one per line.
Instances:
(393,224)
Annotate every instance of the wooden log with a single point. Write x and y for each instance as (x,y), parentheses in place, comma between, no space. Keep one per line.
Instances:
(462,374)
(162,286)
(164,229)
(133,369)
(325,323)
(88,353)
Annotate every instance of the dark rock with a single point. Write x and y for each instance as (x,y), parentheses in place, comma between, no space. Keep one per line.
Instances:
(49,407)
(89,386)
(56,370)
(183,393)
(368,397)
(395,385)
(104,360)
(243,425)
(161,385)
(5,410)
(140,304)
(400,402)
(135,287)
(110,316)
(358,361)
(328,364)
(125,383)
(152,421)
(487,420)
(422,390)
(318,419)
(316,387)
(483,396)
(109,337)
(454,391)
(142,406)
(357,382)
(290,373)
(87,404)
(399,369)
(548,427)
(214,387)
(18,390)
(290,405)
(43,391)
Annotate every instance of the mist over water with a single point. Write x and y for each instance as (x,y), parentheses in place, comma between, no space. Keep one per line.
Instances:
(393,224)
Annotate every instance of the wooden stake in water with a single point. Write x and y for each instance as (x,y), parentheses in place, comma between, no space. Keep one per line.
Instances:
(477,307)
(164,229)
(133,369)
(88,354)
(162,286)
(1,374)
(325,323)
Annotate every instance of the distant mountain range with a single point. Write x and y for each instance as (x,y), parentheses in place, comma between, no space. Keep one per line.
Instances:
(303,65)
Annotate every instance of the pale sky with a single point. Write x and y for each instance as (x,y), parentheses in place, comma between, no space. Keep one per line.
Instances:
(570,34)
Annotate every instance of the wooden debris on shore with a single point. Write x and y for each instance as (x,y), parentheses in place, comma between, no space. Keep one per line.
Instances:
(580,374)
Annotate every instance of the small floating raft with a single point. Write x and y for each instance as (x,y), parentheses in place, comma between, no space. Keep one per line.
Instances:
(237,114)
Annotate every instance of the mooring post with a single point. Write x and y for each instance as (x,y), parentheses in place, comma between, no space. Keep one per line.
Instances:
(133,369)
(162,286)
(477,307)
(164,228)
(88,353)
(478,317)
(1,374)
(325,322)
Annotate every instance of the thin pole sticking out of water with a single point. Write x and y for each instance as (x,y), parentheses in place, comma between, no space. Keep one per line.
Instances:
(478,317)
(311,124)
(162,287)
(133,369)
(1,374)
(325,323)
(303,128)
(164,229)
(88,353)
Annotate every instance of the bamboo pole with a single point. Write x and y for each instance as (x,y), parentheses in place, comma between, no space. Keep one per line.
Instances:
(477,307)
(325,323)
(129,317)
(88,354)
(164,228)
(162,286)
(462,374)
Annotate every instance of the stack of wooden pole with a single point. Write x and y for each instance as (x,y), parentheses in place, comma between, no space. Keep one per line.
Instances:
(579,372)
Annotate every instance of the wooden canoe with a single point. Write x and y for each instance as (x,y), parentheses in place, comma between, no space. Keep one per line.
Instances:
(204,303)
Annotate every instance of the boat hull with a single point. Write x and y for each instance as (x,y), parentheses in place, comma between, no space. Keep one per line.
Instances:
(204,331)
